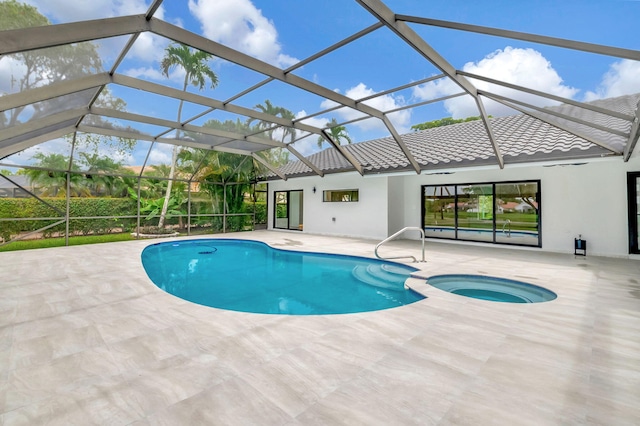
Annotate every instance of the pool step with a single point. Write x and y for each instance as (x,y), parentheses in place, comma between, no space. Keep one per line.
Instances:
(381,275)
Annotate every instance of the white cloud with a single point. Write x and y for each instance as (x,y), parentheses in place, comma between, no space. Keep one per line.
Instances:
(160,154)
(147,73)
(623,78)
(307,146)
(176,75)
(148,47)
(400,119)
(317,121)
(54,146)
(524,67)
(241,26)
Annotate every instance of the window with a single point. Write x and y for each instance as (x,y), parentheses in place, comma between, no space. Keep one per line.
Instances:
(633,198)
(493,212)
(341,196)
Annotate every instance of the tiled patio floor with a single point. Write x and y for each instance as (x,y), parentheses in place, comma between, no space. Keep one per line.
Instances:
(86,338)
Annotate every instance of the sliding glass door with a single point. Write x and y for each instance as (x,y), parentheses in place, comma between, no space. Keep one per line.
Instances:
(439,211)
(288,210)
(475,212)
(493,212)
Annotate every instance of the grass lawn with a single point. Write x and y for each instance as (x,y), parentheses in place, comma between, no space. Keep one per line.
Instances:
(59,242)
(519,221)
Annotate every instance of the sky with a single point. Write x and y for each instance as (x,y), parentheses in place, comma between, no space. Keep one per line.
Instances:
(283,32)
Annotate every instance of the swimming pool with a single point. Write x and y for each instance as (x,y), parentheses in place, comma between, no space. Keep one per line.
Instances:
(492,288)
(251,276)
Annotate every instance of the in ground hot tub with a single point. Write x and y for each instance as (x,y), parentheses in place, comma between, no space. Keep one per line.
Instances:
(491,288)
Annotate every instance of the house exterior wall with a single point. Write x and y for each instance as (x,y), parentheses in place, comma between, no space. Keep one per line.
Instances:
(367,218)
(396,205)
(588,200)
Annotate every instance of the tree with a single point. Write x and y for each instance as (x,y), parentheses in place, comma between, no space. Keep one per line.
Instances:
(93,141)
(238,126)
(269,109)
(99,175)
(447,121)
(219,172)
(289,132)
(50,178)
(229,178)
(276,156)
(203,165)
(43,66)
(197,72)
(337,133)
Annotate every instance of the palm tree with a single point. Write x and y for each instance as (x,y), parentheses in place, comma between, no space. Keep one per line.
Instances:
(266,108)
(99,171)
(54,183)
(270,109)
(197,72)
(288,131)
(336,132)
(277,156)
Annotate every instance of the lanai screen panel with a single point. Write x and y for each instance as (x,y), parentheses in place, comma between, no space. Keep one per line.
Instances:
(406,56)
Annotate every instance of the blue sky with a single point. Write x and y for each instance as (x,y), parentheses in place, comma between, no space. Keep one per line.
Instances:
(284,32)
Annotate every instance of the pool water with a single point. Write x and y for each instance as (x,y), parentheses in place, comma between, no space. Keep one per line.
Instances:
(492,288)
(250,276)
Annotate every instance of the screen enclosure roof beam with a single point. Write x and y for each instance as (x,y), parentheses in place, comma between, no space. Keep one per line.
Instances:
(412,39)
(634,134)
(534,38)
(534,114)
(53,90)
(178,34)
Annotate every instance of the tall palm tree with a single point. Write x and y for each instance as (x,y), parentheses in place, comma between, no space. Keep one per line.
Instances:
(197,72)
(337,133)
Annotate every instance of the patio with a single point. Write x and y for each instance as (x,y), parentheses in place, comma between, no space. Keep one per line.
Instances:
(86,338)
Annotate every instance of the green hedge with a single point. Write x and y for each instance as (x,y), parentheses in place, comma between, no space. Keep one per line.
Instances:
(261,212)
(83,207)
(78,207)
(214,224)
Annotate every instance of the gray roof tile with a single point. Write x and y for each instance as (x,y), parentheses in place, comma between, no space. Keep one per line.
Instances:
(520,138)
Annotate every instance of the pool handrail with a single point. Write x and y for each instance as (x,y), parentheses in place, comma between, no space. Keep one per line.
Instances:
(394,236)
(507,223)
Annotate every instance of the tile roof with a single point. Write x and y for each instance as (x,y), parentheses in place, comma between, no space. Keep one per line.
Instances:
(521,139)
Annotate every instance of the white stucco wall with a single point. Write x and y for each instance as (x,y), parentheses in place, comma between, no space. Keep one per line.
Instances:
(367,218)
(396,205)
(588,199)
